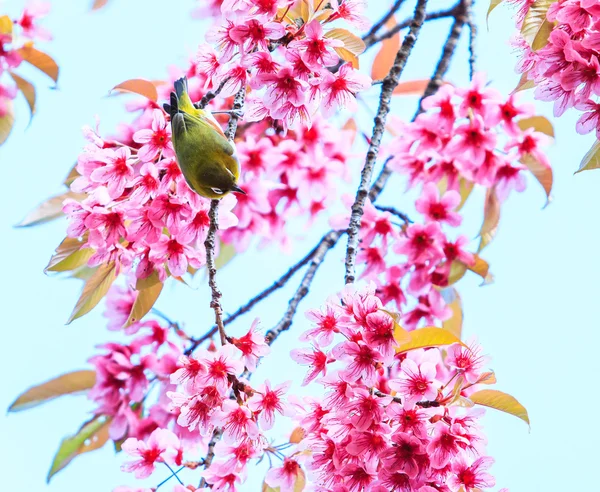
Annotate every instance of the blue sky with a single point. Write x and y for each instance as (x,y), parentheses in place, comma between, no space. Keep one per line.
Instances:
(538,320)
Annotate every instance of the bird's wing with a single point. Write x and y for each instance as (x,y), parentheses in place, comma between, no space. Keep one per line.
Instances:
(185,122)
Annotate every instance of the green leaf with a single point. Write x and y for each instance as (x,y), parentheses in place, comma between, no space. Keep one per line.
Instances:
(143,303)
(500,401)
(524,83)
(76,259)
(94,290)
(72,382)
(92,435)
(147,282)
(542,36)
(430,336)
(49,210)
(141,87)
(591,160)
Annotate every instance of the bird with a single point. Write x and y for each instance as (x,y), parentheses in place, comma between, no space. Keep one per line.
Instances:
(206,158)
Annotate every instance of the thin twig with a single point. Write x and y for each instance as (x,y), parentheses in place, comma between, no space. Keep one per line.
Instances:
(389,84)
(278,284)
(327,242)
(440,14)
(378,25)
(472,40)
(210,95)
(394,211)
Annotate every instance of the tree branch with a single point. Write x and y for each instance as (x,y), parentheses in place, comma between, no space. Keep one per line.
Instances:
(472,40)
(327,242)
(210,454)
(389,84)
(278,284)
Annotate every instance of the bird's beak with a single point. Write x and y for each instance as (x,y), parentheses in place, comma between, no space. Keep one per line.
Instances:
(237,189)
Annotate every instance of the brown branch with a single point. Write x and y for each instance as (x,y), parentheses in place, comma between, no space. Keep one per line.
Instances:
(327,242)
(472,40)
(210,454)
(209,244)
(368,38)
(238,104)
(210,95)
(389,84)
(278,284)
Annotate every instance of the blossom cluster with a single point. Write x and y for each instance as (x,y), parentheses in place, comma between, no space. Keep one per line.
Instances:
(465,137)
(281,50)
(22,31)
(388,421)
(566,70)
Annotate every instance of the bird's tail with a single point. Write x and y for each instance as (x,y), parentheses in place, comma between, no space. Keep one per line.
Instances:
(173,108)
(181,89)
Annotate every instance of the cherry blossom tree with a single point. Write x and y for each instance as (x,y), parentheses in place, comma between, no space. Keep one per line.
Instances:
(396,394)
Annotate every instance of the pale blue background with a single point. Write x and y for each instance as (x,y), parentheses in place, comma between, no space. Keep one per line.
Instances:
(539,319)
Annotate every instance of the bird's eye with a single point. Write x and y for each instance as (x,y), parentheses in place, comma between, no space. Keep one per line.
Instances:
(218,191)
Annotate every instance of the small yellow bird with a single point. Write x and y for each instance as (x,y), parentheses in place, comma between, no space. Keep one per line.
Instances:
(205,156)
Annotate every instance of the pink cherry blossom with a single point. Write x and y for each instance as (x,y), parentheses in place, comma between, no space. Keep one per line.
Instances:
(158,448)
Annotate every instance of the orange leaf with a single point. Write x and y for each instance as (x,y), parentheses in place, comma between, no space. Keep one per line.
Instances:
(6,26)
(541,172)
(98,4)
(538,123)
(411,88)
(6,122)
(491,218)
(297,435)
(386,55)
(27,89)
(40,60)
(138,86)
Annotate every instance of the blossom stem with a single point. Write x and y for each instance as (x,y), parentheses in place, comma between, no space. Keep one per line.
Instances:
(389,84)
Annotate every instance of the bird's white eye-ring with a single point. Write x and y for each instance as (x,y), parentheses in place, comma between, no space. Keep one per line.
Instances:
(218,191)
